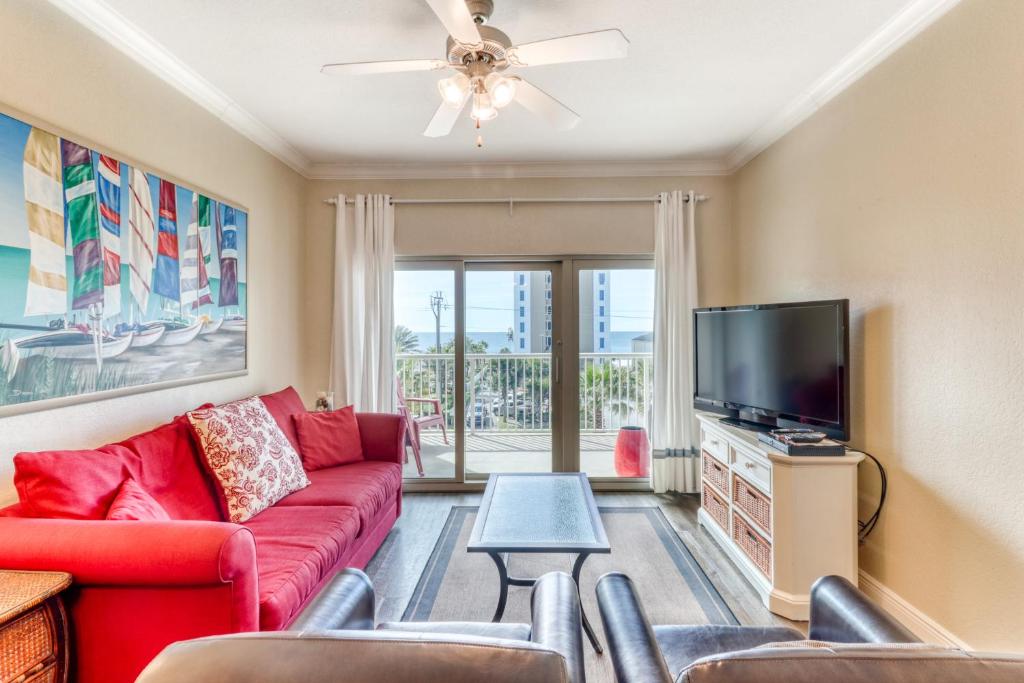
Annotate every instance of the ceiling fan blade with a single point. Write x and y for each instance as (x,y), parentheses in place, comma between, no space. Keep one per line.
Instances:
(388,67)
(545,106)
(444,119)
(582,47)
(457,20)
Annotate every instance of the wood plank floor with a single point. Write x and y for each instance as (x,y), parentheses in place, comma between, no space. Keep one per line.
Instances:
(397,566)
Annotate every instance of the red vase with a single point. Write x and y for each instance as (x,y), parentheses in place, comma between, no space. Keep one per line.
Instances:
(632,453)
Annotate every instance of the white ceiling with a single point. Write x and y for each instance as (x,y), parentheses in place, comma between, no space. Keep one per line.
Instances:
(702,76)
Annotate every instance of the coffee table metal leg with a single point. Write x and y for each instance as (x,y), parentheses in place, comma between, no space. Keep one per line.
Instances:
(577,567)
(503,587)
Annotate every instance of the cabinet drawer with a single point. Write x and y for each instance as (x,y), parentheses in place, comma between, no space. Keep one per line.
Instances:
(753,545)
(754,471)
(715,506)
(715,472)
(714,444)
(756,505)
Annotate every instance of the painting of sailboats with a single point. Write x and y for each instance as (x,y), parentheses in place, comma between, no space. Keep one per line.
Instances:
(112,278)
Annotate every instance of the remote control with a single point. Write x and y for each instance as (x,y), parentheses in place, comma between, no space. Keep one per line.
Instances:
(806,437)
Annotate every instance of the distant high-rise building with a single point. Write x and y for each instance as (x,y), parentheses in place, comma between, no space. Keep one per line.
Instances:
(595,311)
(532,312)
(532,332)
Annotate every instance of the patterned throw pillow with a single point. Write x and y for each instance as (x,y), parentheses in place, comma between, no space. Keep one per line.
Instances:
(248,455)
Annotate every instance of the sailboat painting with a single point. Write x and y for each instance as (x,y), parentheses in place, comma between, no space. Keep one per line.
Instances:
(112,279)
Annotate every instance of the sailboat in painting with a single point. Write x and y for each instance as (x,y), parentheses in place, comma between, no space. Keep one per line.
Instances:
(168,274)
(227,247)
(60,182)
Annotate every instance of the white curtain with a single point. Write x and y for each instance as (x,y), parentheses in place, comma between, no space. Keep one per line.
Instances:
(362,351)
(675,296)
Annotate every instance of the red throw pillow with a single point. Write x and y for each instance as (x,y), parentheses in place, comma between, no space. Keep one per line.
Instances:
(283,405)
(133,502)
(248,456)
(329,439)
(71,484)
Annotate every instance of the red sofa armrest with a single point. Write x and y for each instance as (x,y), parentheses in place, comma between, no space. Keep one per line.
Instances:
(132,553)
(382,436)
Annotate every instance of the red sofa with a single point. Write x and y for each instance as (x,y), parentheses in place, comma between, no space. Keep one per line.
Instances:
(140,585)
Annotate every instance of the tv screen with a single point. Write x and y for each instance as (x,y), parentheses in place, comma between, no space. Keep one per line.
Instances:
(776,364)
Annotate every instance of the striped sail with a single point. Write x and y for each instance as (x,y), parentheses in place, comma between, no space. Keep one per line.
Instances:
(141,238)
(83,225)
(166,279)
(108,191)
(47,273)
(227,246)
(195,286)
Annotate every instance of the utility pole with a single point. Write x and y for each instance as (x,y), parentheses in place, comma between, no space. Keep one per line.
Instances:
(438,304)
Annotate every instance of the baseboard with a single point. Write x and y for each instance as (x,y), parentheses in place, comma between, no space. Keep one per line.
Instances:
(919,623)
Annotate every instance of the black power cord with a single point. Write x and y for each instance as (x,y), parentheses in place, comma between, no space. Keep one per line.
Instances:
(867,526)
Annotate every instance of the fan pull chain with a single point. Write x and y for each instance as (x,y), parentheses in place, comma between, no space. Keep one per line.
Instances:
(479,138)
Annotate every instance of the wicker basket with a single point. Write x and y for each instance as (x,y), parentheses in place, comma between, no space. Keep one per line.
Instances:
(755,504)
(716,473)
(752,544)
(716,507)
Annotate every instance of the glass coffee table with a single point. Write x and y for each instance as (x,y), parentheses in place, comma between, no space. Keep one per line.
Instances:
(538,513)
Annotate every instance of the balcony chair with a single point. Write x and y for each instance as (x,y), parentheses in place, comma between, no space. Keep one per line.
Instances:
(850,640)
(333,641)
(414,423)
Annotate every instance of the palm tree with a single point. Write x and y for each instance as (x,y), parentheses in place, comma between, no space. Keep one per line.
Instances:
(405,340)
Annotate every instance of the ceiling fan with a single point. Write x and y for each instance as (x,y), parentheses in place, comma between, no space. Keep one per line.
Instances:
(480,54)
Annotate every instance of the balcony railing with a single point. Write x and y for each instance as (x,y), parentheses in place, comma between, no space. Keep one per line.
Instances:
(512,391)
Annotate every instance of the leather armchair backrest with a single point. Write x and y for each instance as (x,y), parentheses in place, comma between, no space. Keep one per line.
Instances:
(850,663)
(355,657)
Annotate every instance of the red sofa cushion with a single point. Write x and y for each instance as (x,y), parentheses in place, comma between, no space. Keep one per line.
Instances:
(328,439)
(296,548)
(366,486)
(282,406)
(133,503)
(71,484)
(171,471)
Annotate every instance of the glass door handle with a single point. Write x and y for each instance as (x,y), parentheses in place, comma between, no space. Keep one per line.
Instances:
(556,361)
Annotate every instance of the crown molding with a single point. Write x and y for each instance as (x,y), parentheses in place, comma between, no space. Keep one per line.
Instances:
(125,36)
(559,169)
(895,33)
(108,24)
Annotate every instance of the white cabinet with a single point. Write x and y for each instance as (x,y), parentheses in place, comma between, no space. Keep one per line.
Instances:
(784,520)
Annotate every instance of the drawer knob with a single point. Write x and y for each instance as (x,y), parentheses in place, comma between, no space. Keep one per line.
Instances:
(749,465)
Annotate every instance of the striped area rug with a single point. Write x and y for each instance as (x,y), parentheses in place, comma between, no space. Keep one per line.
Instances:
(460,586)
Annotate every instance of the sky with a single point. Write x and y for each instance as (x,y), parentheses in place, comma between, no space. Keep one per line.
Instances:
(13,221)
(490,300)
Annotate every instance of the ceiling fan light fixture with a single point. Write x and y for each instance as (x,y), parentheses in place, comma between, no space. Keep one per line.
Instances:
(501,89)
(483,107)
(453,90)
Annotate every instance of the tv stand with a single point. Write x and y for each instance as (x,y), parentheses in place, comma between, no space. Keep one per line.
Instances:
(745,424)
(783,520)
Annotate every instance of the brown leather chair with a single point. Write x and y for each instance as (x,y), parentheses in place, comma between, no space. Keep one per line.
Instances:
(334,641)
(851,640)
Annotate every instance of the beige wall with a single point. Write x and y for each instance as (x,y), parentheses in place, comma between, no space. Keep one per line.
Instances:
(57,72)
(536,229)
(906,194)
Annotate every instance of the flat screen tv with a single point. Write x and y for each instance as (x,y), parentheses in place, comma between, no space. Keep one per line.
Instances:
(775,365)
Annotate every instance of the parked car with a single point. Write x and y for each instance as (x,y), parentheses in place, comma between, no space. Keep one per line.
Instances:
(480,416)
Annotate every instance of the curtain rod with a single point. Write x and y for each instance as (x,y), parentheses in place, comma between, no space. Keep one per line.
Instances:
(528,200)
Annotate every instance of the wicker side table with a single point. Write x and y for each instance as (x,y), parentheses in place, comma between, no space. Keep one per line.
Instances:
(33,627)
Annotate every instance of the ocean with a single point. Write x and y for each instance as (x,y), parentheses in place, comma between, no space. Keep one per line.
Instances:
(619,342)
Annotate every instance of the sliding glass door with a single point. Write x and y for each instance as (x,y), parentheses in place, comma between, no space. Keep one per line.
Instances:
(511,368)
(492,377)
(614,385)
